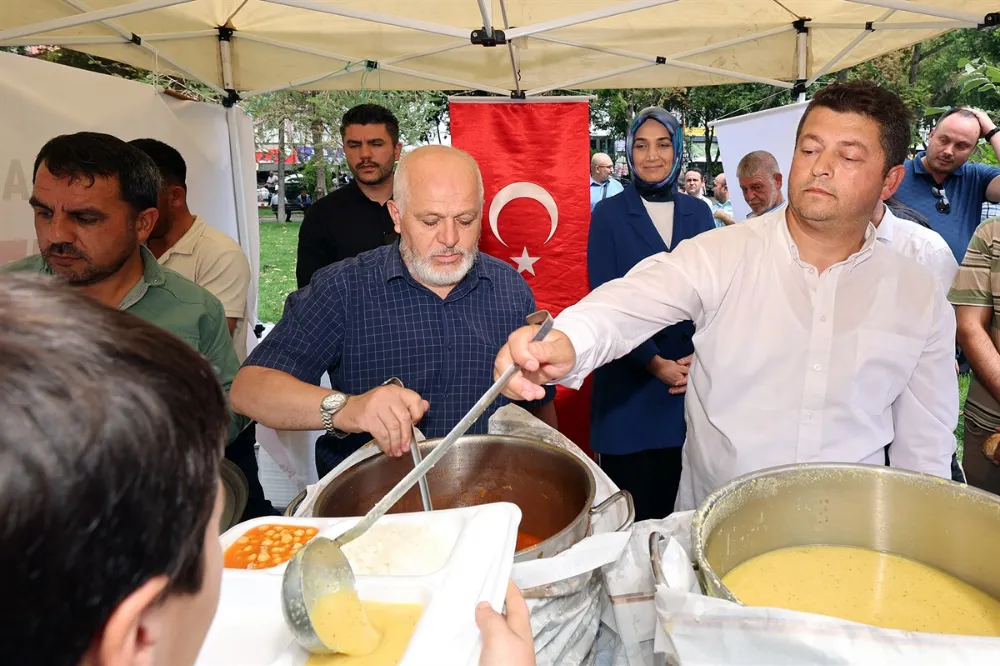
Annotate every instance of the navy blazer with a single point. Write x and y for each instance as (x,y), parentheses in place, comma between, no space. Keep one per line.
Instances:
(631,410)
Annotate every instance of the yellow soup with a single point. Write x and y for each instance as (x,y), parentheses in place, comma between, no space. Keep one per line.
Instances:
(867,586)
(380,639)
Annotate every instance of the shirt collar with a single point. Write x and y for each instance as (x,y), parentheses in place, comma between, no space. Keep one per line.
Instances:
(186,243)
(918,167)
(885,229)
(394,267)
(594,182)
(858,257)
(152,276)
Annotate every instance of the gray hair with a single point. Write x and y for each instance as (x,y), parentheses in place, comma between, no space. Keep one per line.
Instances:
(759,162)
(400,182)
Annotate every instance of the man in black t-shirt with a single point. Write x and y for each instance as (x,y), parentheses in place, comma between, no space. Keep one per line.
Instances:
(354,218)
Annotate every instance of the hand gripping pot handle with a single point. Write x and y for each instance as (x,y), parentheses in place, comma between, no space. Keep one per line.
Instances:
(600,509)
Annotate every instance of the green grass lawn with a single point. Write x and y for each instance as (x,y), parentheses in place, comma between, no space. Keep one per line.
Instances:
(278,243)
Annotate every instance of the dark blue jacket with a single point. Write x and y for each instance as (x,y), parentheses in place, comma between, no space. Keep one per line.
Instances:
(631,410)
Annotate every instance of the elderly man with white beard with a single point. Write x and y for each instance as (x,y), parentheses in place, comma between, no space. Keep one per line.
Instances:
(429,310)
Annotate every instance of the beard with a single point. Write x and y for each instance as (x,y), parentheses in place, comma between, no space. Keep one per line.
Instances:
(423,270)
(89,272)
(382,174)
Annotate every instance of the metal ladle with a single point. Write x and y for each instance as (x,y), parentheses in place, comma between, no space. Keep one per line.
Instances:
(320,567)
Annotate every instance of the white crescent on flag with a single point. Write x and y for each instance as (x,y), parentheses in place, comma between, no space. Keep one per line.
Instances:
(523,190)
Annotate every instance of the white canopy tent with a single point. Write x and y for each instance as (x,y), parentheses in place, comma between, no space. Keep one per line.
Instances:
(506,47)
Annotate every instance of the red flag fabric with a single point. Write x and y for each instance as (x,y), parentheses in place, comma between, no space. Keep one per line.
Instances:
(535,159)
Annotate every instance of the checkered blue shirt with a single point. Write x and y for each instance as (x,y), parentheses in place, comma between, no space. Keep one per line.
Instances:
(366,319)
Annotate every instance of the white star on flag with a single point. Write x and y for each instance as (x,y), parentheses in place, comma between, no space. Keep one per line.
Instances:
(525,262)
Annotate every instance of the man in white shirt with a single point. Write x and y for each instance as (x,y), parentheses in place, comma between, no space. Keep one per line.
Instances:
(814,342)
(694,186)
(922,244)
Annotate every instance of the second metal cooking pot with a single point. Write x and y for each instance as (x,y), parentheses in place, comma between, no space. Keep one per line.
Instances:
(554,489)
(946,525)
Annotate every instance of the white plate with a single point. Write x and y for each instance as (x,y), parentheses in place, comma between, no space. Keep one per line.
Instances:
(466,558)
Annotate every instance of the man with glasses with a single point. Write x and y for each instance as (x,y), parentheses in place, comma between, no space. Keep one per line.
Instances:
(602,185)
(942,184)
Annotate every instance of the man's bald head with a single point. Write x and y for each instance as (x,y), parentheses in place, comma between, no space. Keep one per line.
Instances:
(600,167)
(435,162)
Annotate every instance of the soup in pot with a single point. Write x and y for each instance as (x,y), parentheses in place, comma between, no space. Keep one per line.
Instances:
(866,586)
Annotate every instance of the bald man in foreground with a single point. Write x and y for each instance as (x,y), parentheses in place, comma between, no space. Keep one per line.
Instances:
(429,310)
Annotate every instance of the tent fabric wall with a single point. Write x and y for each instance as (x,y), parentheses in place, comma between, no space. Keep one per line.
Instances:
(40,100)
(425,44)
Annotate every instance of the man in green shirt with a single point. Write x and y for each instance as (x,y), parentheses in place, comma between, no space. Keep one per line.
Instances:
(976,295)
(94,199)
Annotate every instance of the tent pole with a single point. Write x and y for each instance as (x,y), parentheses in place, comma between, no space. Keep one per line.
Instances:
(471,85)
(374,17)
(65,41)
(132,37)
(589,78)
(518,93)
(673,56)
(236,165)
(486,10)
(586,17)
(802,50)
(88,17)
(928,10)
(876,25)
(350,69)
(862,36)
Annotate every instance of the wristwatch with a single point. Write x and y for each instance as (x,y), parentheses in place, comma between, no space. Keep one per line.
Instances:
(331,404)
(991,133)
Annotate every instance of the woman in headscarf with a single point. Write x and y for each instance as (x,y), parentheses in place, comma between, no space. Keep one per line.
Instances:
(637,412)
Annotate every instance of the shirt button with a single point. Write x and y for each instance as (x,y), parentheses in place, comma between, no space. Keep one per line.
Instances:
(809,415)
(812,271)
(817,367)
(822,317)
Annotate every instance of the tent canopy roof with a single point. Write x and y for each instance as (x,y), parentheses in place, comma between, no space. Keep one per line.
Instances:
(269,45)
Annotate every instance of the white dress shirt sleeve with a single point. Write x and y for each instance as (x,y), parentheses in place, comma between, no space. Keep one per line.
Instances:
(944,267)
(925,414)
(618,316)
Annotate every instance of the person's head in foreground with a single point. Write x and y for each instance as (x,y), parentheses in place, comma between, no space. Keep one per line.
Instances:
(721,189)
(694,182)
(601,167)
(172,203)
(654,148)
(760,181)
(95,201)
(437,209)
(370,134)
(108,545)
(952,141)
(850,147)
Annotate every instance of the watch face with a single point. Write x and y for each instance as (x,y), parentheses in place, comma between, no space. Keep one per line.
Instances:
(333,402)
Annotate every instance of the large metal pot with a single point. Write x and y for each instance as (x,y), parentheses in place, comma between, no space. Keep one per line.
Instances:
(553,488)
(946,525)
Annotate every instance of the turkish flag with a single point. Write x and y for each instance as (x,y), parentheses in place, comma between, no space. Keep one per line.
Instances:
(535,159)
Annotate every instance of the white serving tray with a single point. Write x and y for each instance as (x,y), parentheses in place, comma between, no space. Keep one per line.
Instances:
(474,549)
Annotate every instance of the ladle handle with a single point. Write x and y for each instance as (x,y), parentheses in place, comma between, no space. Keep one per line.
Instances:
(541,317)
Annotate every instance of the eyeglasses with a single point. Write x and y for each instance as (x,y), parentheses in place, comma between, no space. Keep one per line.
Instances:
(943,205)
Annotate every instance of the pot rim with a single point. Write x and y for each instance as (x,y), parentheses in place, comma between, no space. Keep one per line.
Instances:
(536,550)
(701,515)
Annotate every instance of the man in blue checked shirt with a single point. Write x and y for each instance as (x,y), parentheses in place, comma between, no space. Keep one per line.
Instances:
(428,309)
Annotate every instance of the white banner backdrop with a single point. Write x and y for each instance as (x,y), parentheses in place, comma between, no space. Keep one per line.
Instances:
(40,100)
(772,130)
